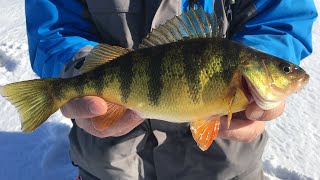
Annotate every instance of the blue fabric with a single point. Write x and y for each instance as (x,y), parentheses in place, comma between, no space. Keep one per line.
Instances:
(56,31)
(206,4)
(281,28)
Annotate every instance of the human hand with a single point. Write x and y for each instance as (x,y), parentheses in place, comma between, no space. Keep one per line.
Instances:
(85,108)
(247,125)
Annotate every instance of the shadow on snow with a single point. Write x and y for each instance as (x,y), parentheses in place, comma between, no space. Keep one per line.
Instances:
(43,154)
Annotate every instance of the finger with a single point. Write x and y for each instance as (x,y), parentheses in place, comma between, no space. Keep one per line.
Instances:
(86,107)
(254,112)
(241,130)
(235,124)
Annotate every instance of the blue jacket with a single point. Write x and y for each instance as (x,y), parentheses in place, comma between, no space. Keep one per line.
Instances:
(57,30)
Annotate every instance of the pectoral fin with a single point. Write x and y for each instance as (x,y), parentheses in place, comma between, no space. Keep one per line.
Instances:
(230,99)
(236,99)
(235,94)
(114,113)
(205,131)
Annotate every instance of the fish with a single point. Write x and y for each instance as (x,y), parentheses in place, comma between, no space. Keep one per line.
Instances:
(183,71)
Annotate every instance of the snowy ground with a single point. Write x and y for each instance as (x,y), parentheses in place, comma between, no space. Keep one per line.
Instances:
(292,151)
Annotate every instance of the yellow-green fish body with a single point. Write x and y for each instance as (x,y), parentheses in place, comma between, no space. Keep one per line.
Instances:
(184,71)
(177,82)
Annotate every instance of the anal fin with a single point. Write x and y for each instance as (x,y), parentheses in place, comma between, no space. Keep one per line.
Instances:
(114,113)
(205,131)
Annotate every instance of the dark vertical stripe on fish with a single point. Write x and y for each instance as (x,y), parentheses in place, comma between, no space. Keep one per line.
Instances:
(155,85)
(230,59)
(61,91)
(78,84)
(71,84)
(57,90)
(98,80)
(126,76)
(191,60)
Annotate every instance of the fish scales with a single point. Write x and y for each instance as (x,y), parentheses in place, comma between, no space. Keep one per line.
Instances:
(166,78)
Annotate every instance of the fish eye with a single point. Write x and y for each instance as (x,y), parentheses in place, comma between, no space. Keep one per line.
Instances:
(286,67)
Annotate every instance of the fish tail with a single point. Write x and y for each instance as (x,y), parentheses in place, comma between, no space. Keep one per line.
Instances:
(34,100)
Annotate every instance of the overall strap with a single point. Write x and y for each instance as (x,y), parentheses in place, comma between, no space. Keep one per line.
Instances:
(239,12)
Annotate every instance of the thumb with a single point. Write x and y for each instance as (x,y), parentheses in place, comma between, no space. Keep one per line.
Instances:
(85,107)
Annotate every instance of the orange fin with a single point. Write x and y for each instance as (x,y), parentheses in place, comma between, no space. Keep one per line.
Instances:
(230,99)
(205,131)
(114,113)
(230,96)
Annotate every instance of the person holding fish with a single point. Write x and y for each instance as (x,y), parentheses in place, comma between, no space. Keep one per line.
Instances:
(164,89)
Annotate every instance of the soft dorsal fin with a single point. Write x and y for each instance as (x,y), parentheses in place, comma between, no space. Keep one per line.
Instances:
(189,25)
(100,55)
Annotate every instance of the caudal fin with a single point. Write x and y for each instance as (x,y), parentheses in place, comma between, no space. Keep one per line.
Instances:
(34,101)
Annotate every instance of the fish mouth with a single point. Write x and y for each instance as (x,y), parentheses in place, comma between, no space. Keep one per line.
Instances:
(250,91)
(253,94)
(301,82)
(246,89)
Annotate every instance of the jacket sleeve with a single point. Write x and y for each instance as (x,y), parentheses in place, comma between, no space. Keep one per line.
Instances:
(57,30)
(281,28)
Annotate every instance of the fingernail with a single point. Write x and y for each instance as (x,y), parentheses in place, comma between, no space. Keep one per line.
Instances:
(96,108)
(256,114)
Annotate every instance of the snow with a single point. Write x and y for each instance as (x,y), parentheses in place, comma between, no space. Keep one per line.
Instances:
(291,153)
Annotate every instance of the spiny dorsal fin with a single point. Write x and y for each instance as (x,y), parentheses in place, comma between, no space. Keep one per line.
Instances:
(189,25)
(100,55)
